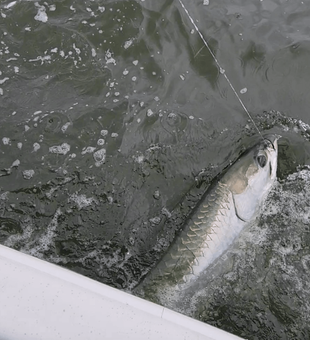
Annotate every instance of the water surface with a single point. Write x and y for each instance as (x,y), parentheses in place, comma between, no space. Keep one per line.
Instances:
(111,109)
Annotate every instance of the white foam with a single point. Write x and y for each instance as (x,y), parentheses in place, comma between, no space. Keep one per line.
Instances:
(10,5)
(62,149)
(2,81)
(46,240)
(108,58)
(41,14)
(17,238)
(82,201)
(88,149)
(139,159)
(15,164)
(28,174)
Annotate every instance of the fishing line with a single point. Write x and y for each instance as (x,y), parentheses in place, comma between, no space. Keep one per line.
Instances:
(222,71)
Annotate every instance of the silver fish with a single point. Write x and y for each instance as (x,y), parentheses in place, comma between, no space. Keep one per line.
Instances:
(230,203)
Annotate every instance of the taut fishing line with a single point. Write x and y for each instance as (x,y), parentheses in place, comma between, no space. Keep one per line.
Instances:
(222,71)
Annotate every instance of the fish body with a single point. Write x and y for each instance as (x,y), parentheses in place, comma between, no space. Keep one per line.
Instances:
(229,204)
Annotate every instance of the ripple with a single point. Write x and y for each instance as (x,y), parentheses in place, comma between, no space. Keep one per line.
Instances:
(174,122)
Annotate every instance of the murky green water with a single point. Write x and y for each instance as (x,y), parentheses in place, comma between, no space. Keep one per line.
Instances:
(110,109)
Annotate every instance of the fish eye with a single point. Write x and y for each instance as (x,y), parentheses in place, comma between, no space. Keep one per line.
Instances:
(261,160)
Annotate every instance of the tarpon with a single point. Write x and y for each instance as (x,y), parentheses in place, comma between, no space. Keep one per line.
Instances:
(228,205)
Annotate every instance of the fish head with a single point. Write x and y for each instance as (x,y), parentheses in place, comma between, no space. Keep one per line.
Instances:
(250,179)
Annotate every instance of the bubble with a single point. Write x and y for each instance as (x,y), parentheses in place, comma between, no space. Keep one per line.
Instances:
(36,147)
(149,113)
(37,113)
(99,157)
(128,43)
(156,194)
(15,164)
(65,127)
(6,141)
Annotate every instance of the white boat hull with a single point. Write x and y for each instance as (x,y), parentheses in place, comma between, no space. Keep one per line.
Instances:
(40,300)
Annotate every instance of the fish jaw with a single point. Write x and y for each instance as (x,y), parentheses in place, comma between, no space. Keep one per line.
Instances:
(251,178)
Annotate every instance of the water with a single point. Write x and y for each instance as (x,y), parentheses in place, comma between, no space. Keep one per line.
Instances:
(109,112)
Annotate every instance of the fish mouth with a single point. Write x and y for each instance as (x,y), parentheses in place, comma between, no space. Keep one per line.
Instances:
(272,139)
